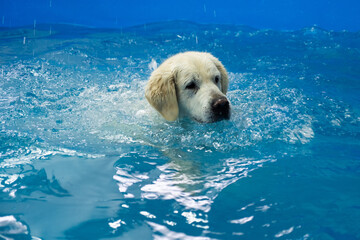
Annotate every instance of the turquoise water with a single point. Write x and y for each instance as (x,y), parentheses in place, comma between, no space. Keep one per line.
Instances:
(84,156)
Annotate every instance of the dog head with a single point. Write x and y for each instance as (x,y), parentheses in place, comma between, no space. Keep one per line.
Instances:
(190,84)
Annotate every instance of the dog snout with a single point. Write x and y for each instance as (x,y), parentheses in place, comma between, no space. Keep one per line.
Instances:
(220,109)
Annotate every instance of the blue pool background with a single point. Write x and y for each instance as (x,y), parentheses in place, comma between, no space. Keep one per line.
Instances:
(277,14)
(84,156)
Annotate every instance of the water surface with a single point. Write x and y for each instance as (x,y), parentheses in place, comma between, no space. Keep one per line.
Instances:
(84,156)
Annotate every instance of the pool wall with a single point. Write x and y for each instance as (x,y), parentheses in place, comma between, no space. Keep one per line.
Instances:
(276,14)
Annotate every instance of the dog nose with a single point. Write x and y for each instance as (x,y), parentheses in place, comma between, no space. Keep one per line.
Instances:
(221,108)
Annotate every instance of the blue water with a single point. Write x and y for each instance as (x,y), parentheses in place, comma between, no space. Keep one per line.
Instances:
(84,156)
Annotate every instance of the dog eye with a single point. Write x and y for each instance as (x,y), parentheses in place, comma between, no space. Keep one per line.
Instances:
(191,86)
(217,79)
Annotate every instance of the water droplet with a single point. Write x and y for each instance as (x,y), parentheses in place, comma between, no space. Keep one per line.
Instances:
(153,65)
(34,27)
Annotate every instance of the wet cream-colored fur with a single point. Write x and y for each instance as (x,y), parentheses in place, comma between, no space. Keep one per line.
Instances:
(170,87)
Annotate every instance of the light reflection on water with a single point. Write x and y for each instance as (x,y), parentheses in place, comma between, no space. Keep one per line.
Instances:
(189,187)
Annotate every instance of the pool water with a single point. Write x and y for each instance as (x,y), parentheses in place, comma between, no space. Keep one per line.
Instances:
(84,156)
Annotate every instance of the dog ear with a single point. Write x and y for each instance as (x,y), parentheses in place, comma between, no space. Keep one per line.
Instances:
(223,72)
(161,92)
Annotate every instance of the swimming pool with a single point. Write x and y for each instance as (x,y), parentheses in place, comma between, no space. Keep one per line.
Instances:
(84,156)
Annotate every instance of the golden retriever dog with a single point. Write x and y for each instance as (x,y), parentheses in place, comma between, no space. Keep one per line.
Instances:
(190,84)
